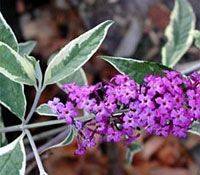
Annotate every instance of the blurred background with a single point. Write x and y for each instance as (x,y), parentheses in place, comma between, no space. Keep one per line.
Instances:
(138,32)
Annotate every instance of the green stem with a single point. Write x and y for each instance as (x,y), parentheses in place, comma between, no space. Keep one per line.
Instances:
(29,126)
(36,154)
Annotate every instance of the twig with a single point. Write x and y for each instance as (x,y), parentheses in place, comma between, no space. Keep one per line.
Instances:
(29,126)
(46,134)
(32,110)
(120,112)
(51,122)
(187,69)
(52,142)
(192,69)
(42,124)
(11,129)
(30,167)
(36,154)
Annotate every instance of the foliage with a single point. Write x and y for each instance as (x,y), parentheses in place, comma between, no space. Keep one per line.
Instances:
(178,33)
(196,35)
(137,69)
(18,68)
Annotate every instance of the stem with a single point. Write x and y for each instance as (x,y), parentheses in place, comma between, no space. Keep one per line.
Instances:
(39,91)
(120,112)
(42,124)
(51,122)
(46,134)
(32,110)
(11,129)
(31,166)
(190,69)
(59,138)
(34,125)
(36,154)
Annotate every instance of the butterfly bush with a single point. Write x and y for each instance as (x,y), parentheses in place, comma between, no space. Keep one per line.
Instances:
(161,105)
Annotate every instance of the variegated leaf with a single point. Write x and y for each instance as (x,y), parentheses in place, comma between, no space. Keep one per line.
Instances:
(27,47)
(12,96)
(132,149)
(44,109)
(70,134)
(3,140)
(76,53)
(13,158)
(78,77)
(16,67)
(136,69)
(178,33)
(196,35)
(195,128)
(6,34)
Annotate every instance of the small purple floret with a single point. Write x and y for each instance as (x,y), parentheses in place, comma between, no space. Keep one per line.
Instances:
(161,106)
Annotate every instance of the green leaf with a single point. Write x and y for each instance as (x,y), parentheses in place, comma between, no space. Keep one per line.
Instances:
(12,96)
(76,53)
(6,34)
(195,128)
(44,109)
(3,140)
(136,69)
(27,47)
(132,149)
(78,77)
(15,67)
(13,158)
(70,134)
(178,33)
(196,35)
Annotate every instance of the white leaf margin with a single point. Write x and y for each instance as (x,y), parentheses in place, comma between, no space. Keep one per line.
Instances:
(40,112)
(70,135)
(58,58)
(169,29)
(83,74)
(9,28)
(25,104)
(11,146)
(28,67)
(28,46)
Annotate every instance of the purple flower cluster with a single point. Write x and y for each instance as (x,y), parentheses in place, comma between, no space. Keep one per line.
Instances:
(121,107)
